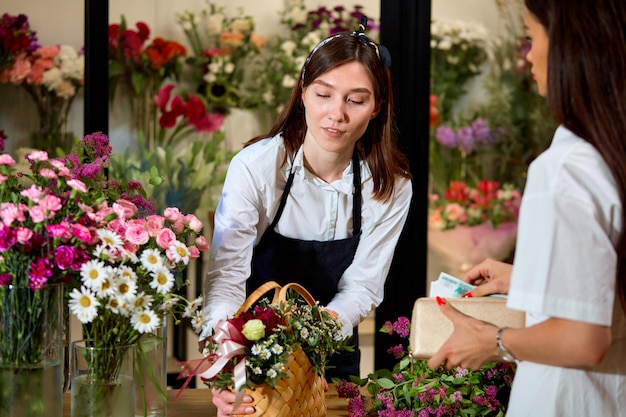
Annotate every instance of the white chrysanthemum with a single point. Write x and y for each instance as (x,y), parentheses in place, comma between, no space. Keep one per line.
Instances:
(145,321)
(178,252)
(127,272)
(256,350)
(106,288)
(271,373)
(162,280)
(151,259)
(115,305)
(92,273)
(169,303)
(277,349)
(196,323)
(192,307)
(125,288)
(143,300)
(265,354)
(84,304)
(110,238)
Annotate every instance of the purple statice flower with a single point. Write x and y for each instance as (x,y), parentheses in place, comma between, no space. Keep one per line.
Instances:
(347,390)
(97,144)
(424,413)
(89,170)
(396,351)
(5,278)
(481,131)
(465,139)
(401,326)
(355,407)
(456,396)
(460,372)
(446,136)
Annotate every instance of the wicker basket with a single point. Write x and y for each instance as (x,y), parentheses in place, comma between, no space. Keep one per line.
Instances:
(301,394)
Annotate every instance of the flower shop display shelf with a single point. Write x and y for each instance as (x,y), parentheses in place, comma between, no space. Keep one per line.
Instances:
(197,403)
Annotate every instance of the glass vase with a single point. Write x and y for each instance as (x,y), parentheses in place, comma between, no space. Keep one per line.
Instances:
(151,374)
(31,351)
(102,380)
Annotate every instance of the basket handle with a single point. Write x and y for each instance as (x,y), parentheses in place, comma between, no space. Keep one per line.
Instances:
(282,295)
(258,293)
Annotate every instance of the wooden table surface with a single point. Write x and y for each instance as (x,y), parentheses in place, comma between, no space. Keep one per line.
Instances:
(197,403)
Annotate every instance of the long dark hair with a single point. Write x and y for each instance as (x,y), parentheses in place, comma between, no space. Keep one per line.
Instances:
(586,85)
(377,146)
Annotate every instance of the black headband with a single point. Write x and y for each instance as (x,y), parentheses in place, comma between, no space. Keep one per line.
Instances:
(381,51)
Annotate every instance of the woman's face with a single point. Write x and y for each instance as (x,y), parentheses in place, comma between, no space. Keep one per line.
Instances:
(338,106)
(538,54)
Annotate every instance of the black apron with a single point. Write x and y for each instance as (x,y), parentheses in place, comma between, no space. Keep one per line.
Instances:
(316,265)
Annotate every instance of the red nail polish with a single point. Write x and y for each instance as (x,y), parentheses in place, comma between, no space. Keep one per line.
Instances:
(440,300)
(467,295)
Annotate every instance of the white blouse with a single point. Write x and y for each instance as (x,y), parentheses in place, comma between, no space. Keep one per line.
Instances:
(315,210)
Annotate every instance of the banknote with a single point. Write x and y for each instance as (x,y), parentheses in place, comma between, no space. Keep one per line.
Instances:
(447,285)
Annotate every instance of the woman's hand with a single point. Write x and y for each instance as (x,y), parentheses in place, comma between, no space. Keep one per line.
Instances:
(224,401)
(490,276)
(471,345)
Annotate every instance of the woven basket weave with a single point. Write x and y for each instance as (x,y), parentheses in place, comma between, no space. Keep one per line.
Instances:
(301,394)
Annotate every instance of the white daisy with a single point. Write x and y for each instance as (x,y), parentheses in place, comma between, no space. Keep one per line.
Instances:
(92,273)
(143,300)
(192,307)
(277,349)
(145,321)
(178,252)
(162,280)
(271,373)
(151,259)
(84,304)
(256,350)
(257,370)
(265,354)
(169,302)
(126,271)
(114,304)
(196,323)
(125,288)
(110,239)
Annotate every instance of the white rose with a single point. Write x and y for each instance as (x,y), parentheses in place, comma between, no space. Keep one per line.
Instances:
(241,25)
(215,24)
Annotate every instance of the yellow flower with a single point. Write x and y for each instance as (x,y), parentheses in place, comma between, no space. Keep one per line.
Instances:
(253,330)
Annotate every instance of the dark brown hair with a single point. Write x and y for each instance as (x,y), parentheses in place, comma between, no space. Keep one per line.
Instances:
(586,84)
(377,146)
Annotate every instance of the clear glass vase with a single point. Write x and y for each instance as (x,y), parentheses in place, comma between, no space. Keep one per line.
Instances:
(31,351)
(151,374)
(103,382)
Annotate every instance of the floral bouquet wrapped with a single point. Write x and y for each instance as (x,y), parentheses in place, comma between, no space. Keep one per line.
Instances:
(412,389)
(272,350)
(467,225)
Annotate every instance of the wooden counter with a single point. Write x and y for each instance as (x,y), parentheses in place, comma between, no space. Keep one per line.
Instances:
(197,403)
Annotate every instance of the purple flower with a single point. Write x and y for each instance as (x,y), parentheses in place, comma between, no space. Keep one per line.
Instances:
(5,278)
(355,407)
(457,396)
(64,256)
(481,131)
(396,351)
(7,237)
(446,136)
(347,390)
(40,271)
(465,139)
(401,326)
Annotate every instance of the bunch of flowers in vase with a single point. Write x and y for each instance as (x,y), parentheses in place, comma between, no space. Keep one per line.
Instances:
(186,165)
(53,76)
(287,51)
(16,37)
(47,223)
(467,225)
(140,67)
(225,56)
(411,388)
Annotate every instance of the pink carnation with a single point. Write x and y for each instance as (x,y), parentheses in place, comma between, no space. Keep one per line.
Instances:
(7,160)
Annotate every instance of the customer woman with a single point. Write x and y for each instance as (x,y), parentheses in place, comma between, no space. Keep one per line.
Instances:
(320,200)
(569,272)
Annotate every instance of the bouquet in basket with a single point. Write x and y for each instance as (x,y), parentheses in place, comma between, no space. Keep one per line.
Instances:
(271,346)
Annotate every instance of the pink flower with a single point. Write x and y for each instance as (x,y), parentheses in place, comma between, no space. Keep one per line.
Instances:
(154,224)
(10,213)
(33,193)
(77,185)
(172,214)
(37,156)
(81,232)
(59,230)
(202,243)
(124,209)
(455,212)
(23,234)
(47,173)
(37,214)
(7,160)
(51,203)
(194,223)
(194,252)
(137,234)
(165,238)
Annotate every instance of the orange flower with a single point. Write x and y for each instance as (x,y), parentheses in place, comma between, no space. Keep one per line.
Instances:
(162,52)
(232,39)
